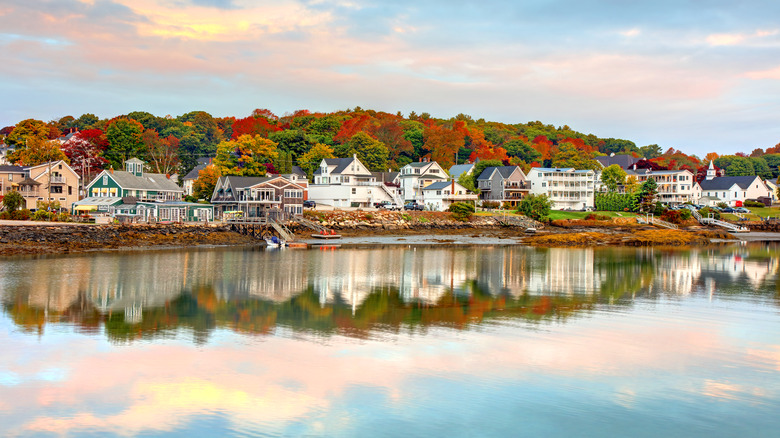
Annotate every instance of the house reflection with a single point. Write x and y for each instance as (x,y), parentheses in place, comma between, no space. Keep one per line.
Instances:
(394,285)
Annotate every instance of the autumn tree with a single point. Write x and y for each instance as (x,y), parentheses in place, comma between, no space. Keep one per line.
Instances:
(40,151)
(245,156)
(203,186)
(125,141)
(85,151)
(520,148)
(613,176)
(391,134)
(162,152)
(442,144)
(27,129)
(569,156)
(311,160)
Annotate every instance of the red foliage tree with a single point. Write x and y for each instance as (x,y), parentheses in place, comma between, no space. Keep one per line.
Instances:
(442,144)
(253,126)
(544,147)
(352,126)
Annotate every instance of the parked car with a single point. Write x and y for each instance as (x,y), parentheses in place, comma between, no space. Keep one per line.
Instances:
(387,205)
(742,210)
(414,206)
(309,204)
(727,210)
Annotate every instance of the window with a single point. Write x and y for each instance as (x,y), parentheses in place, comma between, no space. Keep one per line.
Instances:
(10,177)
(105,180)
(438,192)
(56,189)
(354,191)
(70,190)
(346,179)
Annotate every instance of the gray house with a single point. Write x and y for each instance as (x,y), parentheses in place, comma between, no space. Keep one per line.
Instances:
(505,184)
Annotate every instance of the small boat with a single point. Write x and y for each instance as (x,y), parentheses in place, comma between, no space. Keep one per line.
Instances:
(275,242)
(326,234)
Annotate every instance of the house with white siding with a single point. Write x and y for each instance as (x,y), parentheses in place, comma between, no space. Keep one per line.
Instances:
(440,195)
(346,182)
(568,189)
(416,176)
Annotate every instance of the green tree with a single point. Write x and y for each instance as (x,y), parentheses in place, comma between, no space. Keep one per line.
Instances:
(311,160)
(650,151)
(292,140)
(773,161)
(536,207)
(613,176)
(86,121)
(761,167)
(647,195)
(39,151)
(478,169)
(124,141)
(373,153)
(13,200)
(740,166)
(468,182)
(522,150)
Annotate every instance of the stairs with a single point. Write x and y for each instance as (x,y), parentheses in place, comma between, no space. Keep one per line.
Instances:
(660,223)
(283,231)
(309,224)
(727,225)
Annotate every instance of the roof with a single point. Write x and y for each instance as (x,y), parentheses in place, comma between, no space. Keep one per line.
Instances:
(13,169)
(560,170)
(134,160)
(459,169)
(27,181)
(439,185)
(655,172)
(150,181)
(298,171)
(193,174)
(385,176)
(622,160)
(240,182)
(340,163)
(419,164)
(97,201)
(504,171)
(727,182)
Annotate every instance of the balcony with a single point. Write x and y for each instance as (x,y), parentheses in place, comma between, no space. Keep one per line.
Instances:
(58,180)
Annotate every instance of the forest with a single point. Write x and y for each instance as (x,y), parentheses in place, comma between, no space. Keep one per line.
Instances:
(263,143)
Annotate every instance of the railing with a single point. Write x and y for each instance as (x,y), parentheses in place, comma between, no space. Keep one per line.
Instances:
(652,220)
(58,180)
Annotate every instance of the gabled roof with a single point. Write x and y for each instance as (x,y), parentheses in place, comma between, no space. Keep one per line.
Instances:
(339,163)
(623,160)
(298,171)
(559,170)
(150,181)
(504,171)
(193,174)
(241,182)
(727,182)
(459,169)
(385,176)
(135,160)
(27,181)
(419,164)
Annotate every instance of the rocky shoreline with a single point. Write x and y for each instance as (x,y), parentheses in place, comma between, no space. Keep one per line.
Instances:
(27,239)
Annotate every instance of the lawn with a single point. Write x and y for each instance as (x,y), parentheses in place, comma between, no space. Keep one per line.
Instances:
(757,213)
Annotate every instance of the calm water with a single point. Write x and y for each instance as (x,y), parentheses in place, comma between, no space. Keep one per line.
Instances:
(394,341)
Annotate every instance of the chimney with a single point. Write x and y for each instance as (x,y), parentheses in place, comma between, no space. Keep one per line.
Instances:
(111,169)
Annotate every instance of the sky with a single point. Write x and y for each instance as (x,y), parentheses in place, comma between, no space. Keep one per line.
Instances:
(699,76)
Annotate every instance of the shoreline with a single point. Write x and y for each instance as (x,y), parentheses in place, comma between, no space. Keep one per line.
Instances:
(64,238)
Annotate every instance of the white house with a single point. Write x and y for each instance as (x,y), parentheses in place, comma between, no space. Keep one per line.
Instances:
(568,189)
(415,176)
(346,182)
(733,190)
(440,195)
(674,186)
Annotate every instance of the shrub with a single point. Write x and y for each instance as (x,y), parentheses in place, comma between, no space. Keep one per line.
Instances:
(706,211)
(461,211)
(13,200)
(685,214)
(490,204)
(21,215)
(5,215)
(597,217)
(750,203)
(616,201)
(672,216)
(721,205)
(63,217)
(41,215)
(535,206)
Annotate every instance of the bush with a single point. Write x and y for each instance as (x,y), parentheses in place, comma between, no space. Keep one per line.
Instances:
(536,207)
(21,215)
(490,204)
(706,211)
(5,215)
(597,217)
(672,216)
(13,200)
(616,201)
(41,215)
(750,203)
(461,211)
(721,205)
(62,217)
(685,214)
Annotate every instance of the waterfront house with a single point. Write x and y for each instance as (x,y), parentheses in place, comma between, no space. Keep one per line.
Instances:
(416,176)
(257,196)
(674,186)
(625,161)
(189,179)
(732,190)
(62,186)
(568,189)
(134,182)
(440,195)
(166,211)
(10,177)
(346,182)
(506,185)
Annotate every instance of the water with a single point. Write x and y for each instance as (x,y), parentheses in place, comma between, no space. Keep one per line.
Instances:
(393,341)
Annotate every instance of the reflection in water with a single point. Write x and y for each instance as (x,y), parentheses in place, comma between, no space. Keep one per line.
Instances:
(393,342)
(355,291)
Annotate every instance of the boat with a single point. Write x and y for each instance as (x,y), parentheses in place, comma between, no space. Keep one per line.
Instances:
(275,242)
(326,235)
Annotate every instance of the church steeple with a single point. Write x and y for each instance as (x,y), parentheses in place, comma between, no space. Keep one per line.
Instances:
(711,172)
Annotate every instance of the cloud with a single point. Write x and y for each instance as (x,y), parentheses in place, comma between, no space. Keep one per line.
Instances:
(738,39)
